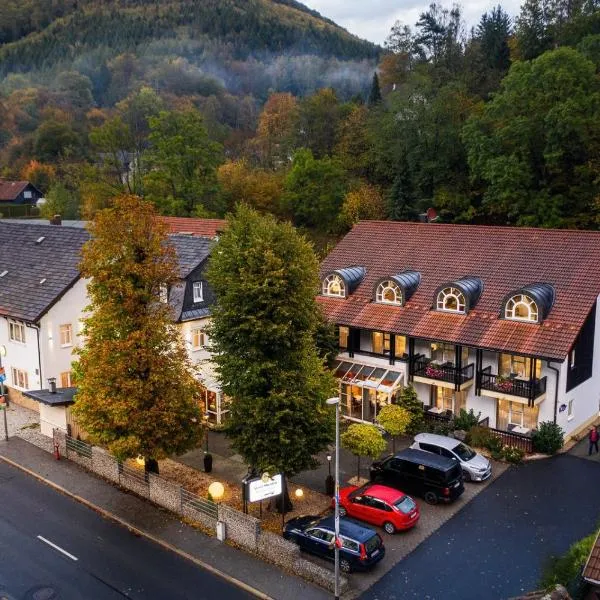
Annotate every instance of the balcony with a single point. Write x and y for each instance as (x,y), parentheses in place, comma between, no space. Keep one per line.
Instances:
(521,389)
(444,375)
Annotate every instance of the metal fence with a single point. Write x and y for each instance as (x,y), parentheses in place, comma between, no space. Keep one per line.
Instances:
(79,447)
(203,505)
(514,440)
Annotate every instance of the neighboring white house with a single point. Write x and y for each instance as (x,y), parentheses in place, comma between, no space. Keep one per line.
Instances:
(42,303)
(496,319)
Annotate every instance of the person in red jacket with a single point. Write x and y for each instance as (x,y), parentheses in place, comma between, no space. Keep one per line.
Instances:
(593,437)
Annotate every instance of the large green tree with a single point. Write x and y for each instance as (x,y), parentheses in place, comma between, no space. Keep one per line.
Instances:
(264,275)
(535,146)
(182,163)
(136,392)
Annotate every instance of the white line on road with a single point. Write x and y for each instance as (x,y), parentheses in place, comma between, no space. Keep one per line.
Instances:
(56,547)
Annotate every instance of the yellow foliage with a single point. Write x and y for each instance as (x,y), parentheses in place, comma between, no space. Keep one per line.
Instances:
(365,202)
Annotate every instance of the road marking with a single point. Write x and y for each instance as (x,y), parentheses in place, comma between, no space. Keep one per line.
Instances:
(39,537)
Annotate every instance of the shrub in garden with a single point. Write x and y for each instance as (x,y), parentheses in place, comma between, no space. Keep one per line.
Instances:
(495,446)
(548,438)
(513,455)
(409,400)
(466,420)
(363,439)
(479,437)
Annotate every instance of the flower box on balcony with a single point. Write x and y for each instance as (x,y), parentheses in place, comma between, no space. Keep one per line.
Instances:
(433,372)
(504,385)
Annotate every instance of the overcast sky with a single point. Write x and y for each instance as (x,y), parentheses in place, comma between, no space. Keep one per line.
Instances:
(373,19)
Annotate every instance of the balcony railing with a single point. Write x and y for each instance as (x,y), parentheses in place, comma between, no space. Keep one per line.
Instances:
(423,367)
(512,386)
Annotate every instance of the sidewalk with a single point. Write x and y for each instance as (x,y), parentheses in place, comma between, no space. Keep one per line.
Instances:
(159,524)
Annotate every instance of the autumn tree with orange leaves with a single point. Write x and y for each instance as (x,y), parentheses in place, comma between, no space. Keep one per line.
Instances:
(136,392)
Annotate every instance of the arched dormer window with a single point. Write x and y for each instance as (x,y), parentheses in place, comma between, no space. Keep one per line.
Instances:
(389,292)
(521,308)
(333,285)
(451,299)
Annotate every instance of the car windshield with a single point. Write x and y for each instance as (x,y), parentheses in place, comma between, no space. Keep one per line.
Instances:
(405,505)
(464,452)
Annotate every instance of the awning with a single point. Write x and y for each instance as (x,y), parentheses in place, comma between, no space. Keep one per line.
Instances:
(367,376)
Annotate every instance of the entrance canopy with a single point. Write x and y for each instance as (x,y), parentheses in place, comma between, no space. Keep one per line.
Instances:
(368,376)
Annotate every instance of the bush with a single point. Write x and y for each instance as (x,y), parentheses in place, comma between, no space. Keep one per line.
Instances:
(479,437)
(513,455)
(566,569)
(495,446)
(409,400)
(466,420)
(548,438)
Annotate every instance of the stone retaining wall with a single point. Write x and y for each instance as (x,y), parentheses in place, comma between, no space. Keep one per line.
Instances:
(164,493)
(242,529)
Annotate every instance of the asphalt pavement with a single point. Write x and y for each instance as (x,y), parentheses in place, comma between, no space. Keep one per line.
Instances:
(496,547)
(52,547)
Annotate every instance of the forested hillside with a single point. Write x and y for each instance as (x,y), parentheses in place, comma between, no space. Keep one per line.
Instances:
(198,105)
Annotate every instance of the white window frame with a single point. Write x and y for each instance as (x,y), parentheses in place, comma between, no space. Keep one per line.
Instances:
(518,300)
(333,285)
(65,335)
(199,336)
(198,291)
(20,378)
(570,413)
(27,194)
(448,293)
(13,328)
(389,286)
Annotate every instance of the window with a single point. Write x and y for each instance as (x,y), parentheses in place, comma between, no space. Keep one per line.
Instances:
(516,414)
(572,359)
(570,414)
(16,331)
(27,194)
(198,338)
(389,292)
(66,335)
(521,308)
(451,299)
(446,353)
(20,378)
(518,366)
(400,346)
(163,293)
(66,379)
(350,544)
(197,287)
(344,334)
(333,285)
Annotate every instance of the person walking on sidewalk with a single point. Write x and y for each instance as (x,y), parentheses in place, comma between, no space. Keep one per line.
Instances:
(593,437)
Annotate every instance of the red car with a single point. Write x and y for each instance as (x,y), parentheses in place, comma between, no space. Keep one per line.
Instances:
(380,505)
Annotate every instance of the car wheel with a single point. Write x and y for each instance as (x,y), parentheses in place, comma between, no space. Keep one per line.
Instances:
(345,565)
(467,476)
(431,498)
(342,511)
(389,528)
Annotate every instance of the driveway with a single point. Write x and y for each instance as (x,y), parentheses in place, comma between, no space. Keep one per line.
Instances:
(496,546)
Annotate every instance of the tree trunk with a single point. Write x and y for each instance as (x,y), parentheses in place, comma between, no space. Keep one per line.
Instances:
(150,466)
(394,444)
(358,470)
(284,501)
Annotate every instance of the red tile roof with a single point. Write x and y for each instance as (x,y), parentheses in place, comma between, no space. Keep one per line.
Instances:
(199,227)
(505,258)
(591,571)
(9,190)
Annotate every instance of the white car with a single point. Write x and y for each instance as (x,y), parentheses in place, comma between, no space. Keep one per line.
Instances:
(474,466)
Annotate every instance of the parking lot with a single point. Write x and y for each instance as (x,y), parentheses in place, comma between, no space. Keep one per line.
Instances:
(400,545)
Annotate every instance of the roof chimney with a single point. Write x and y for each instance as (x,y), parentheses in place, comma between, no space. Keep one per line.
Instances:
(56,220)
(52,384)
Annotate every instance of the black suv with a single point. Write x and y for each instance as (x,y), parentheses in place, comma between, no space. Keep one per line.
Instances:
(435,478)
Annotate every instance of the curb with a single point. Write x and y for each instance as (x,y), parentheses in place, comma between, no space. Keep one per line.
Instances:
(240,584)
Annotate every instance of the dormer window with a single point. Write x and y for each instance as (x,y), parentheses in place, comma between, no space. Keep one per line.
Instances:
(451,299)
(389,292)
(333,285)
(198,291)
(521,308)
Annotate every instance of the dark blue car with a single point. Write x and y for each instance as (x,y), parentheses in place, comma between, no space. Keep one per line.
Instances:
(361,547)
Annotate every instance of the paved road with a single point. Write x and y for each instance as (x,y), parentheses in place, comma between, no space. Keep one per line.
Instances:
(495,548)
(111,563)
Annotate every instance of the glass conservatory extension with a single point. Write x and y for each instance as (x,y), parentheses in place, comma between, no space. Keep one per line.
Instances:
(365,389)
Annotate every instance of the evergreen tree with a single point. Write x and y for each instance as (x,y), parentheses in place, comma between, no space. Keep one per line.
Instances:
(264,323)
(136,393)
(401,201)
(375,93)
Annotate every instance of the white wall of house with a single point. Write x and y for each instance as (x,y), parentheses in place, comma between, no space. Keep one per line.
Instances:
(69,310)
(52,417)
(196,354)
(22,356)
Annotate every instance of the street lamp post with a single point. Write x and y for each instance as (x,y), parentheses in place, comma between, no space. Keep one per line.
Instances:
(336,402)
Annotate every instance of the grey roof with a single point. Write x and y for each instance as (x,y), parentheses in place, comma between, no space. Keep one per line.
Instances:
(65,222)
(62,397)
(197,313)
(55,261)
(191,252)
(352,276)
(38,271)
